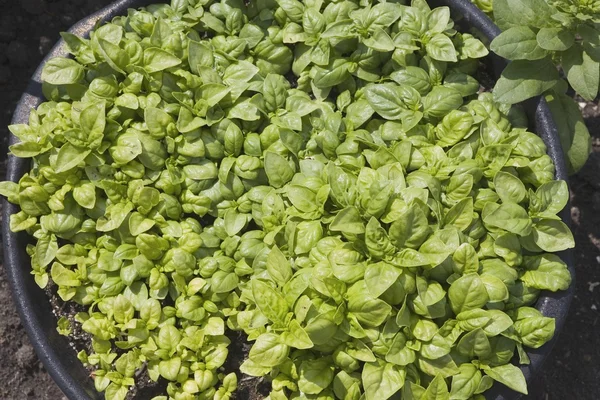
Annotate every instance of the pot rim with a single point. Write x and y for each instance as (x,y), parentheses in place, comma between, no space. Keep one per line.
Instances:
(54,350)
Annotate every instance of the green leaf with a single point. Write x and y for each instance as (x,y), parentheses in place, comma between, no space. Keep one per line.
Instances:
(453,128)
(444,365)
(274,91)
(62,71)
(268,351)
(441,101)
(495,288)
(441,48)
(499,322)
(555,39)
(465,258)
(510,217)
(169,369)
(315,375)
(518,43)
(465,383)
(467,292)
(552,235)
(70,156)
(474,344)
(156,59)
(385,100)
(398,353)
(508,375)
(381,380)
(63,276)
(582,71)
(384,14)
(168,337)
(380,277)
(522,80)
(346,386)
(302,198)
(348,220)
(414,77)
(509,188)
(27,149)
(460,215)
(224,282)
(535,331)
(337,73)
(116,392)
(93,122)
(437,389)
(574,136)
(296,336)
(251,368)
(45,250)
(278,169)
(321,328)
(199,56)
(546,272)
(509,13)
(438,19)
(114,56)
(553,197)
(278,266)
(269,301)
(380,41)
(234,222)
(472,47)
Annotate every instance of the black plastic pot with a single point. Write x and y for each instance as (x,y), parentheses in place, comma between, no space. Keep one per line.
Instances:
(34,308)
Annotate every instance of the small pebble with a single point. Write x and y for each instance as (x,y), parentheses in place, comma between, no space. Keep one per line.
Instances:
(45,45)
(67,19)
(575,213)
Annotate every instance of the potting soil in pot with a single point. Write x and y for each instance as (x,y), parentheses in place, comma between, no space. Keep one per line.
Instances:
(321,176)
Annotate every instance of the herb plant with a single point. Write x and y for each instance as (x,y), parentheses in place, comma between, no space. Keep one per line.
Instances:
(539,36)
(323,176)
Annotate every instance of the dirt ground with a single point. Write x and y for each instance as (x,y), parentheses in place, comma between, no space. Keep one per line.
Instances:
(29,28)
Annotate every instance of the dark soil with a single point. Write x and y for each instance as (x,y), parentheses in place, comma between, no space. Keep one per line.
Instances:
(29,28)
(249,387)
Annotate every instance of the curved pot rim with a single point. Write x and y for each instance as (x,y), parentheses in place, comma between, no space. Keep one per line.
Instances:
(60,359)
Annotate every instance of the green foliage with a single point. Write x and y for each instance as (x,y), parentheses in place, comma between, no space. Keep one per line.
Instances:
(540,36)
(320,175)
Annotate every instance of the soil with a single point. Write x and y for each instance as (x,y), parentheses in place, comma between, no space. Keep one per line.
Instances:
(249,387)
(29,28)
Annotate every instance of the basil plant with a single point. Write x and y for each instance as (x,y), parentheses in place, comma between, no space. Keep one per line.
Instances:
(324,177)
